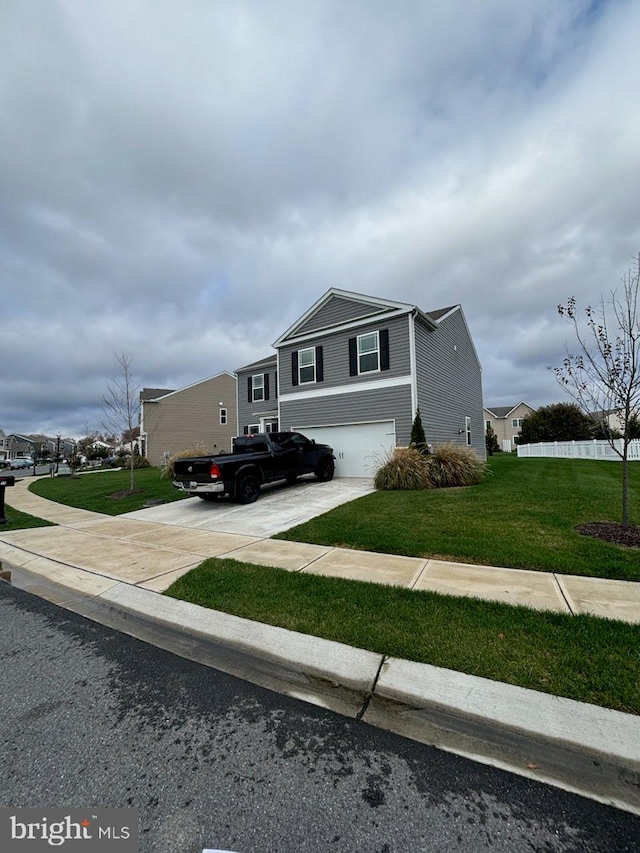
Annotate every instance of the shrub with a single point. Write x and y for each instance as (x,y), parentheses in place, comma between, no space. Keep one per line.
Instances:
(556,422)
(418,438)
(403,468)
(491,441)
(123,460)
(198,449)
(455,465)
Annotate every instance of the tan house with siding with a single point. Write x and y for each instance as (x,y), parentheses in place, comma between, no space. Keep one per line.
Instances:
(506,421)
(203,413)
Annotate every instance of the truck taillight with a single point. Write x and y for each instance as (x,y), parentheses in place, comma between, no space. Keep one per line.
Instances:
(214,472)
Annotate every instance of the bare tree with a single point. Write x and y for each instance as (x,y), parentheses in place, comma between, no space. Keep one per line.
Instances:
(121,402)
(604,376)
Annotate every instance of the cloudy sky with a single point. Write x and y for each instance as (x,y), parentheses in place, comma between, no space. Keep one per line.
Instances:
(181,179)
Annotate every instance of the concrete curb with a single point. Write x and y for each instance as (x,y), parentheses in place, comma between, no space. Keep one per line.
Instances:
(583,748)
(320,671)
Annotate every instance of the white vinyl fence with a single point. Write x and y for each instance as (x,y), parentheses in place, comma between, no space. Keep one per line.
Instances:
(591,449)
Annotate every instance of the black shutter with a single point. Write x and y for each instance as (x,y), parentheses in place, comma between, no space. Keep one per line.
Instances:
(266,385)
(294,368)
(249,390)
(246,430)
(275,384)
(353,357)
(384,349)
(319,365)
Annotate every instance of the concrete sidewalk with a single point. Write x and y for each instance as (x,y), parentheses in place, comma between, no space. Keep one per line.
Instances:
(153,555)
(111,569)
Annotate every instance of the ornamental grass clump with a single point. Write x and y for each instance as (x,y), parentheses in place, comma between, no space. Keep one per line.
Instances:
(198,449)
(455,465)
(403,468)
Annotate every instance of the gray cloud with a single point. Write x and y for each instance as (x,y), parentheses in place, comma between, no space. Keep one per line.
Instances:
(182,182)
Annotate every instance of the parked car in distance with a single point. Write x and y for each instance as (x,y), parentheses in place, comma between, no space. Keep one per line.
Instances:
(21,462)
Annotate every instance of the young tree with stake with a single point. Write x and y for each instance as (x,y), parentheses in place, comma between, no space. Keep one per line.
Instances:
(604,375)
(121,402)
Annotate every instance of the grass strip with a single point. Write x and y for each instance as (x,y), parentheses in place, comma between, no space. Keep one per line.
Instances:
(17,520)
(108,491)
(523,515)
(580,657)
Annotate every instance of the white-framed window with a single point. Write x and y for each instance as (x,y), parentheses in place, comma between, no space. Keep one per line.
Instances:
(467,429)
(253,428)
(516,423)
(307,365)
(368,352)
(487,424)
(223,417)
(257,387)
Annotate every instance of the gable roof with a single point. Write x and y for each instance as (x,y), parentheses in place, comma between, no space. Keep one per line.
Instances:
(505,411)
(153,393)
(161,393)
(439,313)
(356,308)
(20,437)
(269,361)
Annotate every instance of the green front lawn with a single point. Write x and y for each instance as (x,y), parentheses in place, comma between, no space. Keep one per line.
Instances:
(522,516)
(107,491)
(21,520)
(580,657)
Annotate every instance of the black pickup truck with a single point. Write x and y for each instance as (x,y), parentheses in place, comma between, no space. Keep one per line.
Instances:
(256,459)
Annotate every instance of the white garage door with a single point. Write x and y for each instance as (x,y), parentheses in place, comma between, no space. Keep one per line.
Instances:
(358,448)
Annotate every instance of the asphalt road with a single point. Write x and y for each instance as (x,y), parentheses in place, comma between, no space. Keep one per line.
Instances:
(41,469)
(91,717)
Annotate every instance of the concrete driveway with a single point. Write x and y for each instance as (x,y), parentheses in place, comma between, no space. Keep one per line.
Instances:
(279,507)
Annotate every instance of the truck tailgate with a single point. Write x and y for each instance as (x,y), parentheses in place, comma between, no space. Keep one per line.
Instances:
(191,469)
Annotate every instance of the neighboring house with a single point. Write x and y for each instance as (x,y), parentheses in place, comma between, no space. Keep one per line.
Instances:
(44,446)
(353,370)
(506,422)
(19,446)
(612,418)
(258,396)
(102,446)
(203,413)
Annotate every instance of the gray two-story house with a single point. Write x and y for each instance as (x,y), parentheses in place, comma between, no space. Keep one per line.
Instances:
(258,396)
(353,370)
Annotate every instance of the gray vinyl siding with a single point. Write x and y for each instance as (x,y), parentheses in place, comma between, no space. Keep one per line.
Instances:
(250,413)
(337,310)
(335,349)
(449,383)
(359,407)
(190,417)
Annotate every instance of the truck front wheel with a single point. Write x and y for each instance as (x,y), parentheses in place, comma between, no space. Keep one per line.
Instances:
(325,469)
(248,490)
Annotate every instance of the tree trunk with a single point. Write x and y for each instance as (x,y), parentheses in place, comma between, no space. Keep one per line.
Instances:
(625,484)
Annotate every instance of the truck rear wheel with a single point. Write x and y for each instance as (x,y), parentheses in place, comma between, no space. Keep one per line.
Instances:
(248,489)
(325,469)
